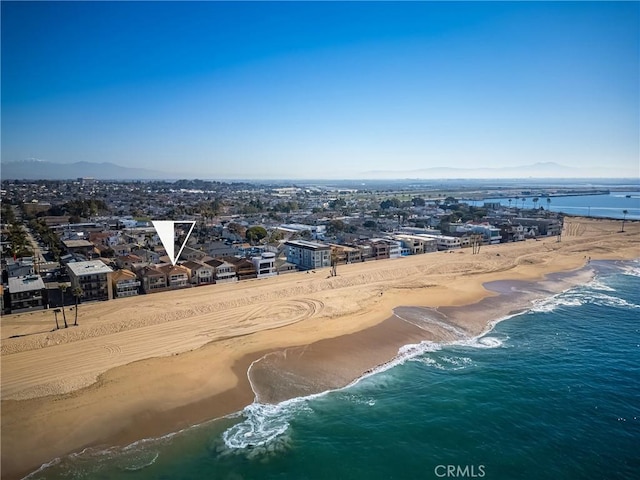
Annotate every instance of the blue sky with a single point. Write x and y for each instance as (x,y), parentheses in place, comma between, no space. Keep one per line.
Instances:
(308,90)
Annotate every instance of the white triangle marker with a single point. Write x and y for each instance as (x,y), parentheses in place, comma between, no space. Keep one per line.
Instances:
(166,232)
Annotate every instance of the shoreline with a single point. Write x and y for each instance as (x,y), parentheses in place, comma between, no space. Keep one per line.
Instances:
(144,415)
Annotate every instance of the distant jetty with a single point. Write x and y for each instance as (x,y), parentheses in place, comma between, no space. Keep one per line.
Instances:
(577,193)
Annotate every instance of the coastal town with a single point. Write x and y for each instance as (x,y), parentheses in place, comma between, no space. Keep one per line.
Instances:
(71,242)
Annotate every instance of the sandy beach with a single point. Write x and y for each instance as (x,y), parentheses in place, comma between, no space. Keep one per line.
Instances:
(149,365)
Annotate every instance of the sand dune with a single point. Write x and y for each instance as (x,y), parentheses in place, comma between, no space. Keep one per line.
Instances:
(138,357)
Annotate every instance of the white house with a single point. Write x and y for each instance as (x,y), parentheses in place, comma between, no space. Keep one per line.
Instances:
(265,264)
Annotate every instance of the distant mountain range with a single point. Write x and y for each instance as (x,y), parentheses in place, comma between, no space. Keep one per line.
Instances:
(43,170)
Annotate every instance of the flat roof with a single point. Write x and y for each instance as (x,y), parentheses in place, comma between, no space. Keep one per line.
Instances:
(27,283)
(90,267)
(307,244)
(77,243)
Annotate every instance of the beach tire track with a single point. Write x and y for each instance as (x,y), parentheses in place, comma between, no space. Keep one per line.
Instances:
(112,348)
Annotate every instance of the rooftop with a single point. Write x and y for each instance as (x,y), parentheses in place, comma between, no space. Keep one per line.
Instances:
(307,244)
(77,243)
(91,267)
(27,283)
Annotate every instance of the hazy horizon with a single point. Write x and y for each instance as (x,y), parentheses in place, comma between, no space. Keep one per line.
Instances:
(323,90)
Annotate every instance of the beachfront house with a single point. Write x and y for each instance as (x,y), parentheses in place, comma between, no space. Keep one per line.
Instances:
(153,279)
(26,293)
(177,275)
(223,272)
(265,265)
(308,255)
(245,269)
(199,273)
(546,227)
(93,277)
(125,283)
(345,254)
(417,244)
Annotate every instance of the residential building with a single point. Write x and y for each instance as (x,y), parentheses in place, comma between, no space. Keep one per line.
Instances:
(26,293)
(200,273)
(490,234)
(93,277)
(283,267)
(224,272)
(125,283)
(244,268)
(317,232)
(366,252)
(148,255)
(545,226)
(511,232)
(308,255)
(380,249)
(82,247)
(191,254)
(153,279)
(345,253)
(219,249)
(177,275)
(445,242)
(20,267)
(417,244)
(121,249)
(265,265)
(128,261)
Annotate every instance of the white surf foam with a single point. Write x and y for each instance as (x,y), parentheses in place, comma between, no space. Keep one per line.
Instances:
(264,428)
(547,305)
(632,270)
(578,297)
(487,342)
(597,284)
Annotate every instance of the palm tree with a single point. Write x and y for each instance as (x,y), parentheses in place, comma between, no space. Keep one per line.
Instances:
(624,218)
(334,262)
(509,204)
(77,292)
(56,312)
(548,203)
(535,202)
(517,198)
(63,288)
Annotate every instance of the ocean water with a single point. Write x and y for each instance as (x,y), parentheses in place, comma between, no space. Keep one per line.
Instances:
(549,393)
(608,206)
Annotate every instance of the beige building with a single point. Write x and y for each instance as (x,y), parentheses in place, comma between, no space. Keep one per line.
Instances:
(93,277)
(125,283)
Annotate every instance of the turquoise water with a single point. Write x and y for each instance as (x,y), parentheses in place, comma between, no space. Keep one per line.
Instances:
(609,206)
(553,393)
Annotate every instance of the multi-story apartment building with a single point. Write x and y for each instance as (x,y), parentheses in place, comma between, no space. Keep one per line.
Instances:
(93,277)
(27,293)
(308,255)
